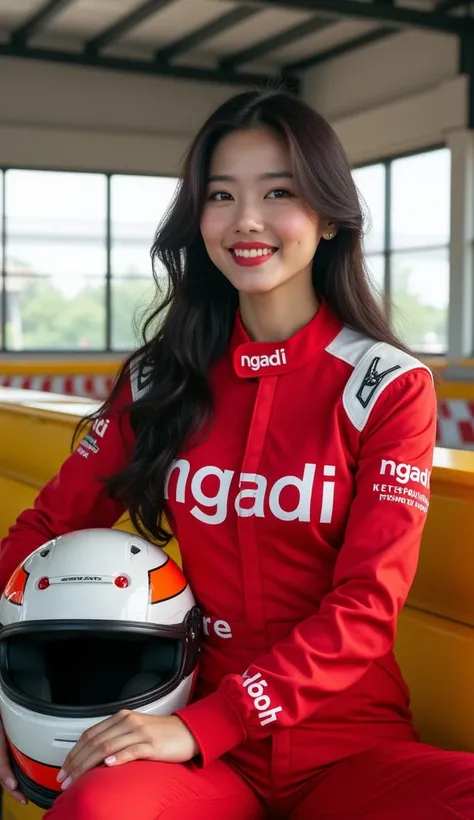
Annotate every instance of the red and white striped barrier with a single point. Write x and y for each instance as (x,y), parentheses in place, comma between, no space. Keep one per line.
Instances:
(89,387)
(456,424)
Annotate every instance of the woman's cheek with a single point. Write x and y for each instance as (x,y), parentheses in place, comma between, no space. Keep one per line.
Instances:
(206,227)
(294,225)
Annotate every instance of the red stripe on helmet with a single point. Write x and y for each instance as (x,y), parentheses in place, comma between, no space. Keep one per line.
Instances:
(39,773)
(15,588)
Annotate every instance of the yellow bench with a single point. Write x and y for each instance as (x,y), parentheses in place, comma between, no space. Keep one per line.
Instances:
(435,641)
(11,810)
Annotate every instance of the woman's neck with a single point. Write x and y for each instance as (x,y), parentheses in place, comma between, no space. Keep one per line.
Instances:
(274,316)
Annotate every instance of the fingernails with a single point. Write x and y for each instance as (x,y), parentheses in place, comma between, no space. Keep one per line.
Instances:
(61,775)
(66,783)
(10,783)
(110,760)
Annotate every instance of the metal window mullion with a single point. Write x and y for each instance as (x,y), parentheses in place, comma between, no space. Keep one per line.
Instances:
(388,240)
(108,276)
(3,294)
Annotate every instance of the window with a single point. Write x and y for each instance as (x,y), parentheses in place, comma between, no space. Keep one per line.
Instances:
(75,253)
(138,205)
(407,243)
(75,258)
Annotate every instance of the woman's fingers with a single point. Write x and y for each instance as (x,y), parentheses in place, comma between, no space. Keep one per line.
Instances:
(114,737)
(7,778)
(137,751)
(91,737)
(14,791)
(109,750)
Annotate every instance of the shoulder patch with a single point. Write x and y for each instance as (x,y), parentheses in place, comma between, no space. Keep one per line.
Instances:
(140,377)
(376,365)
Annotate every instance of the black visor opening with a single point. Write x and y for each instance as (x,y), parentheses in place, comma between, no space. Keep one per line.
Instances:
(70,671)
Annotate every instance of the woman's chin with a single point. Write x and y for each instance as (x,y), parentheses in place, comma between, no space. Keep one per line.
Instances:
(255,285)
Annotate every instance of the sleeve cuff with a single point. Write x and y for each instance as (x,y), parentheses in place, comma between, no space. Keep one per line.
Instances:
(215,724)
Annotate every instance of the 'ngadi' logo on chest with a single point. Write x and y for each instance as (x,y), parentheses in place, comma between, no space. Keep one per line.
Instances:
(256,494)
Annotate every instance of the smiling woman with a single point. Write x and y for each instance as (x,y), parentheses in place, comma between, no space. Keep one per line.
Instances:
(286,436)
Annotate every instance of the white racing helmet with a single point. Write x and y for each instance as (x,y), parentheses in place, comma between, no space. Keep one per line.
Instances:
(90,623)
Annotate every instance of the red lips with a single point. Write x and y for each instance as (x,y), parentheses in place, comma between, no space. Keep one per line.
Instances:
(249,254)
(248,246)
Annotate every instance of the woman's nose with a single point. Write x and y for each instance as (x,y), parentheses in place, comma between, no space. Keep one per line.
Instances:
(248,218)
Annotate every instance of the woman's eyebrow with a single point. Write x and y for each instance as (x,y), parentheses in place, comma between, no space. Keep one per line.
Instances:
(267,175)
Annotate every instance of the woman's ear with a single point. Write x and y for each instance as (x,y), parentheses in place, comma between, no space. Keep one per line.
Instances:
(329,232)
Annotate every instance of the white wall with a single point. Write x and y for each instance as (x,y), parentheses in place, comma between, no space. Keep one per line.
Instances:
(54,115)
(402,93)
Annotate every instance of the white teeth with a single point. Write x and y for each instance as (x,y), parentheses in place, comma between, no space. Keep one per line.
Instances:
(248,254)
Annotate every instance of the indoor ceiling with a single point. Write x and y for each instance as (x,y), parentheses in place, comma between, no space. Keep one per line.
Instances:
(236,41)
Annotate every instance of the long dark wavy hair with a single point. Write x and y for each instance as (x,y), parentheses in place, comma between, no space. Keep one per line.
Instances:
(189,326)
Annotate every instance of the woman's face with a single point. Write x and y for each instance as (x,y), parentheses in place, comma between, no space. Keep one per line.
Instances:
(255,226)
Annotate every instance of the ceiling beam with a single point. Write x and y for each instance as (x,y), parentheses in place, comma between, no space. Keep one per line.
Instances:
(450,5)
(360,42)
(271,44)
(148,67)
(341,49)
(206,32)
(398,16)
(39,20)
(125,24)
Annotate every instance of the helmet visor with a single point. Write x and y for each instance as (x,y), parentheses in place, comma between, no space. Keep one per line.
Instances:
(92,668)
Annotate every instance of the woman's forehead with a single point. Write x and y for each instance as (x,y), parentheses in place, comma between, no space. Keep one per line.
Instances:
(250,152)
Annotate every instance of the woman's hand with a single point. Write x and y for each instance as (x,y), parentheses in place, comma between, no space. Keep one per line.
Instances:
(129,736)
(7,777)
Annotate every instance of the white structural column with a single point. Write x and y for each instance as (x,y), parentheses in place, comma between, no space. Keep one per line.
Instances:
(461,297)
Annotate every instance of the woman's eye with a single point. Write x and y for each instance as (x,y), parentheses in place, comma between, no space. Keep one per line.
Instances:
(279,193)
(219,196)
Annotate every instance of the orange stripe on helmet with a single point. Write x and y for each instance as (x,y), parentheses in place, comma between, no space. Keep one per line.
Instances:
(166,582)
(15,588)
(39,773)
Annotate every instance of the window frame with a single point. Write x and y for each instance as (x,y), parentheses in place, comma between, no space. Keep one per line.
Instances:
(108,350)
(388,251)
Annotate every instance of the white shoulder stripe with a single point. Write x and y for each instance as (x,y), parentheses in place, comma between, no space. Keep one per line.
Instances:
(350,346)
(376,365)
(140,378)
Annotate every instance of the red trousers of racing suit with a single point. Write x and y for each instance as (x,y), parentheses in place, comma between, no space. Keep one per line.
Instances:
(392,781)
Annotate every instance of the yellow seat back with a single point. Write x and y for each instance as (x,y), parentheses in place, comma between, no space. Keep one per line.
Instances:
(435,640)
(12,810)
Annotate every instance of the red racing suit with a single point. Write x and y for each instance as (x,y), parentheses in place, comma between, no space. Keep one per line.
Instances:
(299,516)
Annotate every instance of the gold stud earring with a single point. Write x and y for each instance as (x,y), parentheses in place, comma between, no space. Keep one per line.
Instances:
(329,234)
